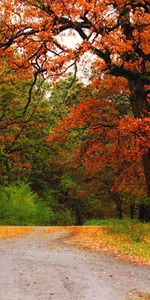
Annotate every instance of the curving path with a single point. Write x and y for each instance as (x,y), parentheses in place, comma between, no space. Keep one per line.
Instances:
(38,267)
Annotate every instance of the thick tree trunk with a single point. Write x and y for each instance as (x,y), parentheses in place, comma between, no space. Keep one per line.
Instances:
(146,165)
(139,107)
(144,211)
(138,101)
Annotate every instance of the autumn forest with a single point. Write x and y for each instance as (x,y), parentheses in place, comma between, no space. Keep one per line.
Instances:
(74,111)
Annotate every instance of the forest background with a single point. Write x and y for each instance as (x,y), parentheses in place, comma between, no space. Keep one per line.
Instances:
(73,151)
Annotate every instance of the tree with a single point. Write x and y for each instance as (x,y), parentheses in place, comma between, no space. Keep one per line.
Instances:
(115,31)
(106,140)
(21,131)
(25,155)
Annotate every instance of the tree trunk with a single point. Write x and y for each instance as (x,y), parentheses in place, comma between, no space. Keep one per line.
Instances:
(139,107)
(118,202)
(133,211)
(146,165)
(144,211)
(138,101)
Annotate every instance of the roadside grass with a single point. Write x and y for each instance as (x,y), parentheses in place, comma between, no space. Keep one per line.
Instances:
(128,239)
(107,222)
(133,239)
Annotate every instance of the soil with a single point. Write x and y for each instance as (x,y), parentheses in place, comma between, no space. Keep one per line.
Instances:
(44,267)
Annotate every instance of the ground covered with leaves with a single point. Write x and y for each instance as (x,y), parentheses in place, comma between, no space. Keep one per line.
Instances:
(8,232)
(112,240)
(131,243)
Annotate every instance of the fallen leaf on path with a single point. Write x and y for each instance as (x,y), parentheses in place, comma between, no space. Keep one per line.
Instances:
(8,232)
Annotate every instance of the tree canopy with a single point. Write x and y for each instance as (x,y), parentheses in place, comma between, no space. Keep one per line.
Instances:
(34,42)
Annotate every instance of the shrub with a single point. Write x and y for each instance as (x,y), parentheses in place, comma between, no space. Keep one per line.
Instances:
(59,214)
(20,206)
(62,218)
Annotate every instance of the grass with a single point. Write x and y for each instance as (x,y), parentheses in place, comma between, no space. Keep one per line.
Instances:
(126,238)
(107,222)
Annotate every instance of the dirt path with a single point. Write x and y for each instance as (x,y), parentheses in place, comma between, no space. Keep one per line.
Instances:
(38,267)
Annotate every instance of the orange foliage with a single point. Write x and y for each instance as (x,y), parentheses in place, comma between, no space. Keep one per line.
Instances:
(33,38)
(116,31)
(111,141)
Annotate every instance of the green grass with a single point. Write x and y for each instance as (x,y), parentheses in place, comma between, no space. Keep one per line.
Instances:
(108,222)
(129,236)
(139,250)
(136,231)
